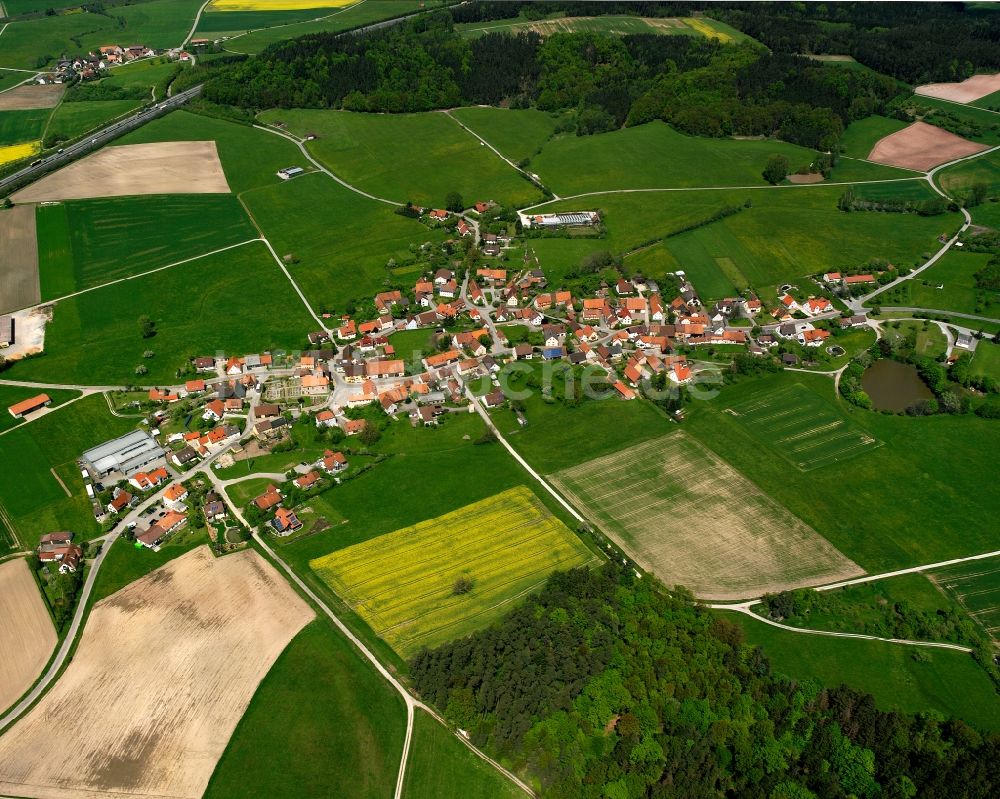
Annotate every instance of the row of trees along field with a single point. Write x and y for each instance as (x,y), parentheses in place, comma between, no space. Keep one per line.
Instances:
(604,686)
(698,85)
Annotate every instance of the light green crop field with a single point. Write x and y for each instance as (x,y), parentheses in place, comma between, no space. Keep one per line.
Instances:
(975,586)
(987,214)
(986,360)
(215,23)
(9,395)
(198,307)
(788,233)
(804,428)
(655,155)
(687,516)
(119,237)
(340,727)
(32,501)
(401,157)
(250,157)
(958,179)
(403,583)
(350,17)
(70,120)
(158,24)
(948,682)
(517,133)
(441,767)
(875,507)
(342,240)
(948,285)
(22,126)
(863,134)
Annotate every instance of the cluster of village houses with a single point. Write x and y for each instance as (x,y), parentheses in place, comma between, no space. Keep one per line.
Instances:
(627,329)
(96,63)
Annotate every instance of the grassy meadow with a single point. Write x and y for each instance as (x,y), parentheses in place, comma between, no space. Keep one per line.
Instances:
(106,239)
(975,586)
(341,240)
(125,563)
(31,498)
(986,360)
(517,133)
(441,767)
(202,306)
(863,134)
(22,126)
(896,506)
(322,720)
(958,179)
(70,120)
(405,584)
(948,285)
(950,683)
(408,157)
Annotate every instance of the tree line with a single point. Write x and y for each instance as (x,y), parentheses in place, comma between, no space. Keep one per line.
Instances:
(603,685)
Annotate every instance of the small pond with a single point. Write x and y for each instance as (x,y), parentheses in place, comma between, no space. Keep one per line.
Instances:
(894,386)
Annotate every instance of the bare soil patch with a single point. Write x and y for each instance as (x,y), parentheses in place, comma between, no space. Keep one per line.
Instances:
(29,332)
(27,636)
(165,670)
(19,287)
(686,515)
(967,91)
(921,146)
(31,96)
(806,179)
(176,167)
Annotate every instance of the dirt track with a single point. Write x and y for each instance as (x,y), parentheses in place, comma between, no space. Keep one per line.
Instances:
(30,97)
(164,672)
(27,636)
(177,167)
(969,90)
(922,146)
(19,286)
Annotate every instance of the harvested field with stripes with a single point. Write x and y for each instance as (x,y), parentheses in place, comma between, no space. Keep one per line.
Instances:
(19,286)
(975,586)
(683,513)
(27,636)
(805,429)
(406,584)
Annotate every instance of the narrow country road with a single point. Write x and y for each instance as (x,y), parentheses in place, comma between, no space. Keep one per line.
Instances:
(973,317)
(194,25)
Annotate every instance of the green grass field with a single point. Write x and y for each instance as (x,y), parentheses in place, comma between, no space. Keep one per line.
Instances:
(930,342)
(442,767)
(948,285)
(351,17)
(975,586)
(986,360)
(342,240)
(401,157)
(31,498)
(958,179)
(12,394)
(896,506)
(987,214)
(241,493)
(806,430)
(403,583)
(202,306)
(143,233)
(70,120)
(159,24)
(950,683)
(517,133)
(22,126)
(250,158)
(322,720)
(862,135)
(143,75)
(214,23)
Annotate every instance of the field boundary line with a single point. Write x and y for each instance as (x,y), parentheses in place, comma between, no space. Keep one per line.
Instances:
(62,485)
(322,168)
(139,275)
(831,634)
(295,285)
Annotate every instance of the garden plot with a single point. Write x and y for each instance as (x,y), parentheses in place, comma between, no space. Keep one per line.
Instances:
(687,516)
(164,672)
(802,427)
(175,167)
(975,585)
(19,286)
(27,636)
(922,147)
(405,584)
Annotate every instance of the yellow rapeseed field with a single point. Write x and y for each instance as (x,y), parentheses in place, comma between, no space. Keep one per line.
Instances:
(15,152)
(403,583)
(276,5)
(706,29)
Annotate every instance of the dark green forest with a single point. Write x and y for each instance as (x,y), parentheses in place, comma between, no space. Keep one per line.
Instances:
(603,685)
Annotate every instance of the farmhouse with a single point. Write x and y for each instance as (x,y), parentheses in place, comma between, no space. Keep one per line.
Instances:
(290,172)
(125,454)
(6,331)
(19,409)
(285,522)
(119,501)
(270,498)
(333,462)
